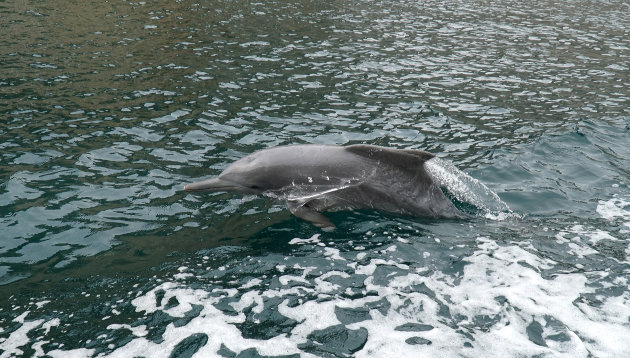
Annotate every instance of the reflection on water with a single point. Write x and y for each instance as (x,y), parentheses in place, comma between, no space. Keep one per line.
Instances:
(109,108)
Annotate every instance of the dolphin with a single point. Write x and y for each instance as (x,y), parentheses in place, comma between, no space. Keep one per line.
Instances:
(315,178)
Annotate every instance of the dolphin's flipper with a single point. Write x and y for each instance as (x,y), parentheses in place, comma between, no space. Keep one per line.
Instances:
(303,212)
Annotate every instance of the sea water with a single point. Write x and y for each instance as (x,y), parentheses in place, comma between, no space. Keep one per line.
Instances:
(109,108)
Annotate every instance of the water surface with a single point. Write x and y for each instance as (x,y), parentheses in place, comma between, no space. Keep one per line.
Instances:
(109,108)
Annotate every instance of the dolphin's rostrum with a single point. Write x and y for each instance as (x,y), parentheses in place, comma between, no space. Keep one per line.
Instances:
(315,178)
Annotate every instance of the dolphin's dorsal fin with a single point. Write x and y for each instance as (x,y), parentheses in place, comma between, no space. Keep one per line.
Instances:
(403,158)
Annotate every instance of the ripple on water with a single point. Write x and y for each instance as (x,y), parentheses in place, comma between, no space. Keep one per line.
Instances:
(100,252)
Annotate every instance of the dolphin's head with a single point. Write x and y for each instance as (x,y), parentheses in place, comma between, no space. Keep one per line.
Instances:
(247,175)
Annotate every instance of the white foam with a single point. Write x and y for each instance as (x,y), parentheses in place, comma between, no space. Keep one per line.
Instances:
(74,353)
(248,299)
(312,240)
(494,271)
(371,267)
(324,286)
(252,283)
(212,322)
(333,254)
(40,304)
(615,209)
(576,247)
(312,315)
(594,235)
(18,338)
(138,331)
(486,310)
(575,237)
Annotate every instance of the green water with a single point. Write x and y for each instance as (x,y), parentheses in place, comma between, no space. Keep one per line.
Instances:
(107,108)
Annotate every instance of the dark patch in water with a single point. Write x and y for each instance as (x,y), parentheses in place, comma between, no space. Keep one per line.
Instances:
(337,341)
(189,345)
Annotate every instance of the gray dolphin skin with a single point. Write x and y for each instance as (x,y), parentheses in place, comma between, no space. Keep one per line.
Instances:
(314,178)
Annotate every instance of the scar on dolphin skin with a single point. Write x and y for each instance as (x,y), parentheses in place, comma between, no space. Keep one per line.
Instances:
(315,178)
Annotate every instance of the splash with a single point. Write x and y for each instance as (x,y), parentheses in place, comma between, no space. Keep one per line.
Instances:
(466,189)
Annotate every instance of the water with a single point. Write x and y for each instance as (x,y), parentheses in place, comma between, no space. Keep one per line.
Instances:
(109,108)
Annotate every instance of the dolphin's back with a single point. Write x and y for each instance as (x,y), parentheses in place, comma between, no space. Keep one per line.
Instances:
(403,184)
(308,164)
(330,178)
(332,159)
